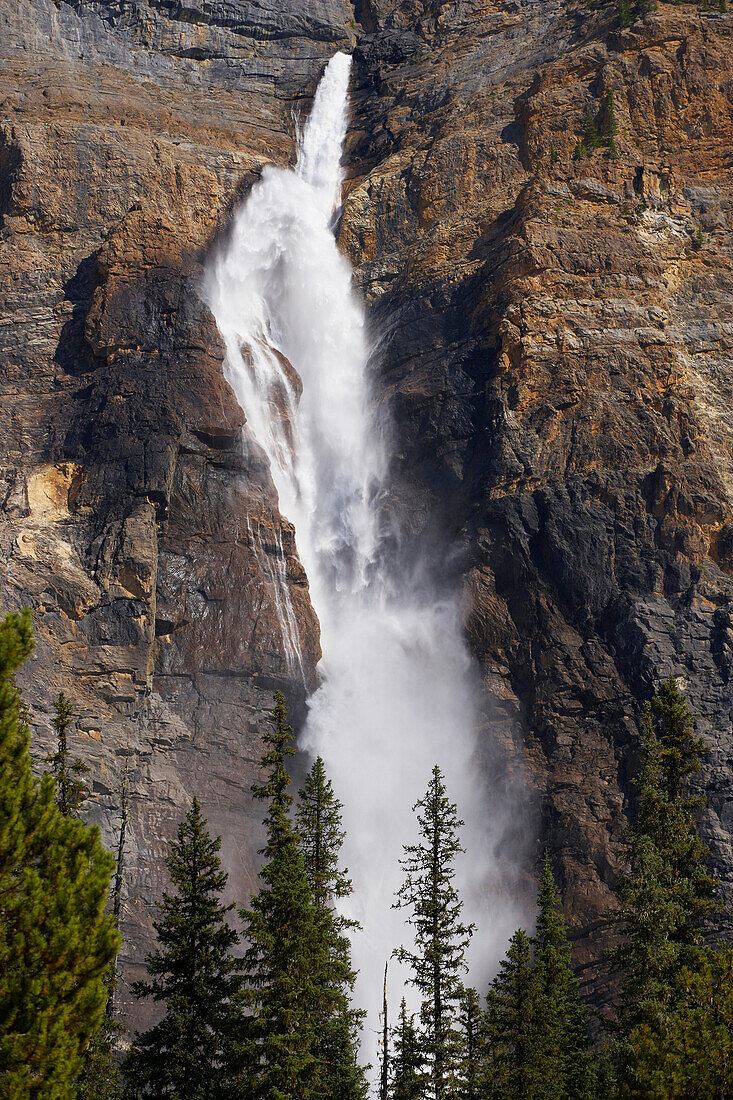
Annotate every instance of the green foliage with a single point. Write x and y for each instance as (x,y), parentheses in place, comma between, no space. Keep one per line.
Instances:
(512,1022)
(336,1023)
(668,892)
(625,14)
(561,1045)
(554,155)
(610,125)
(318,822)
(691,1052)
(536,1024)
(472,1064)
(286,956)
(591,139)
(441,938)
(56,944)
(407,1074)
(698,239)
(100,1077)
(579,151)
(193,974)
(70,787)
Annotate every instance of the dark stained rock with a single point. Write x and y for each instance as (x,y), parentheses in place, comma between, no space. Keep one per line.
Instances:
(556,354)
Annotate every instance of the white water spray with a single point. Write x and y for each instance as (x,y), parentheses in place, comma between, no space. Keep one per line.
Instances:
(397,693)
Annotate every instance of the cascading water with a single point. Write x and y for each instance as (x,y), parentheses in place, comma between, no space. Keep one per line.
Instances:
(396,692)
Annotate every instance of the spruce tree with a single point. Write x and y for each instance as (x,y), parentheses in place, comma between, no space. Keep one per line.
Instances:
(610,125)
(56,943)
(193,974)
(336,1023)
(591,139)
(441,937)
(472,1069)
(70,788)
(285,954)
(407,1077)
(561,1045)
(691,1053)
(668,892)
(513,1021)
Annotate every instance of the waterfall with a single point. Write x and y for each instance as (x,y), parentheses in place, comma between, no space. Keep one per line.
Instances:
(397,687)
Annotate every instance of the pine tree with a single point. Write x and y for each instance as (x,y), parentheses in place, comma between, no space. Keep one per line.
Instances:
(625,14)
(70,788)
(56,944)
(100,1076)
(285,953)
(513,1020)
(192,973)
(441,938)
(336,1023)
(561,1044)
(407,1078)
(472,1070)
(668,892)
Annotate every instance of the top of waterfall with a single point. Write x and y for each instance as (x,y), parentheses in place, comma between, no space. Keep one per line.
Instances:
(319,153)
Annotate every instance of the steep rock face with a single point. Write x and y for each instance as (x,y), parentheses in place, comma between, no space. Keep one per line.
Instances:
(140,528)
(555,353)
(559,359)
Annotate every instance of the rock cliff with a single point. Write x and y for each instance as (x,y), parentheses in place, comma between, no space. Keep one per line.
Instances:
(556,353)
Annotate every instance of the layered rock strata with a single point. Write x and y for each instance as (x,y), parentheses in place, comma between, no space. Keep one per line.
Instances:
(555,351)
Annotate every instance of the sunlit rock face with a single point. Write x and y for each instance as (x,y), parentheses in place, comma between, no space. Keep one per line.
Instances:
(554,349)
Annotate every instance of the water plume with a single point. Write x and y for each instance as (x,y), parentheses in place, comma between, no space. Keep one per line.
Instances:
(397,689)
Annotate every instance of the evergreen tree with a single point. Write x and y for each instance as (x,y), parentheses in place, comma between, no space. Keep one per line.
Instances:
(512,1024)
(591,140)
(441,938)
(625,14)
(384,1068)
(561,1043)
(70,788)
(55,941)
(285,955)
(668,892)
(100,1077)
(610,125)
(336,1023)
(407,1077)
(691,1053)
(193,974)
(472,1070)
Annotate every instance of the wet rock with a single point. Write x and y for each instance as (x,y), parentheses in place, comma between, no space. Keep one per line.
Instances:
(555,352)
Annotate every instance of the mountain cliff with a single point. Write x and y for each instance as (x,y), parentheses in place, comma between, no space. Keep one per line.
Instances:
(554,347)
